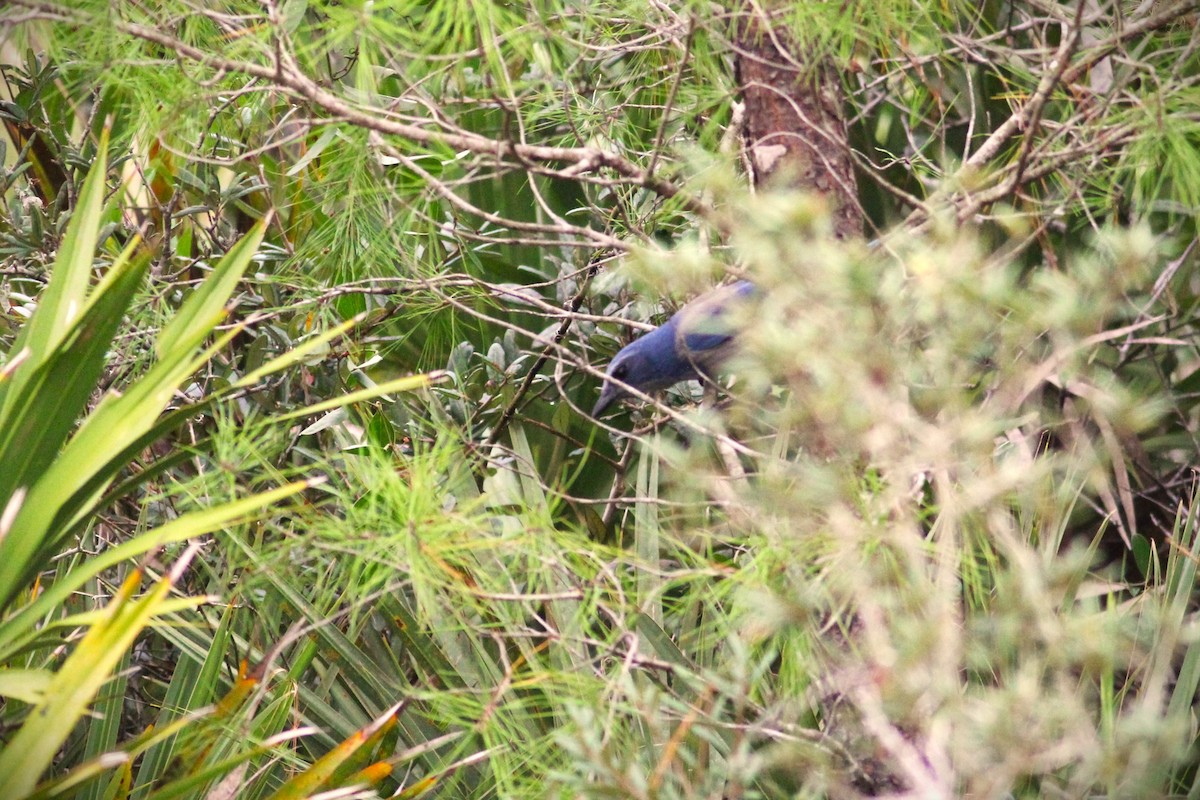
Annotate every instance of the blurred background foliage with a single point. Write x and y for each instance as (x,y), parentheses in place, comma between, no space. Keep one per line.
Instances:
(935,538)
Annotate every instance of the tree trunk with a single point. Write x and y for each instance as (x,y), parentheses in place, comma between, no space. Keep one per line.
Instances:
(794,129)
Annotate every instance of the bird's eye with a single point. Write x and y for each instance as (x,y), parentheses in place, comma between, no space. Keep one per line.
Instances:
(619,372)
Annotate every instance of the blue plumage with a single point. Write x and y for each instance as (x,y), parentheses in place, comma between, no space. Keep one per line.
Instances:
(693,343)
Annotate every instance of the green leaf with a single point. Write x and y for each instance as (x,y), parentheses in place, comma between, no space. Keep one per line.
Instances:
(62,301)
(18,627)
(26,685)
(119,420)
(44,411)
(192,687)
(313,778)
(405,384)
(47,394)
(1141,554)
(31,750)
(205,307)
(103,729)
(380,431)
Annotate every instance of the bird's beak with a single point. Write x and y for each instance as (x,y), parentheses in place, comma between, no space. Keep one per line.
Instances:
(609,393)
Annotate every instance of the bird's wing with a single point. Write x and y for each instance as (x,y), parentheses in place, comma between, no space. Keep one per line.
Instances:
(705,331)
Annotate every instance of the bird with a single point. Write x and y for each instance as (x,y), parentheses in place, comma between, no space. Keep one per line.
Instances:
(690,345)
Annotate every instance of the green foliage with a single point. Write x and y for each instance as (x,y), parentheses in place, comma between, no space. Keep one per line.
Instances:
(904,614)
(55,477)
(938,538)
(54,474)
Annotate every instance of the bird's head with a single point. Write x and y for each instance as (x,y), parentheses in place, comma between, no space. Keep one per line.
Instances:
(647,364)
(632,368)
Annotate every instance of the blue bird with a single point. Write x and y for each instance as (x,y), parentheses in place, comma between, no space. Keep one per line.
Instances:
(691,345)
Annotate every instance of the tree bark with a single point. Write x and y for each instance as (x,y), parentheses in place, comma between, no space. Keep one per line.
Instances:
(794,129)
